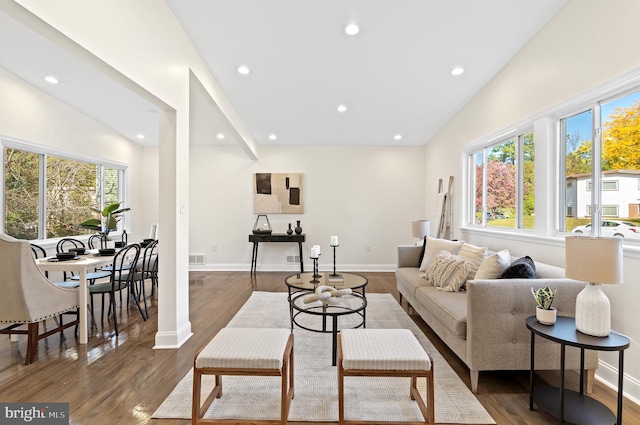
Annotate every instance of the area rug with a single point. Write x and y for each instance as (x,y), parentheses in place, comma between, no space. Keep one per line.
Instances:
(316,389)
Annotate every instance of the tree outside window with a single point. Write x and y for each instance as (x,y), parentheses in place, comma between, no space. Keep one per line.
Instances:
(71,189)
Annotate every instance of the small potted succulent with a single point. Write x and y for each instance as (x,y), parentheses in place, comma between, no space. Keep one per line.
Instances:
(544,312)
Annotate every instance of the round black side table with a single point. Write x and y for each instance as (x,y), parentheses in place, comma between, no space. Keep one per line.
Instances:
(570,406)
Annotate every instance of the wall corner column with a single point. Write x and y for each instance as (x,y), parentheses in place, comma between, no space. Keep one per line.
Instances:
(174,327)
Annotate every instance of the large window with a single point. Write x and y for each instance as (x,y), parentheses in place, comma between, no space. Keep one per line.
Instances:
(601,150)
(46,196)
(503,177)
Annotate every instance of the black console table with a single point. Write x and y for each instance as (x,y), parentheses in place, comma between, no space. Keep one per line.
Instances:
(569,406)
(256,238)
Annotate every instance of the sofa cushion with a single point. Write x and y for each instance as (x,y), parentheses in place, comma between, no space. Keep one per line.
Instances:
(475,255)
(409,279)
(433,248)
(449,307)
(523,267)
(448,272)
(494,265)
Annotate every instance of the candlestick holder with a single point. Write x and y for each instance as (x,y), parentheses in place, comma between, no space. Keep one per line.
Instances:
(316,275)
(334,275)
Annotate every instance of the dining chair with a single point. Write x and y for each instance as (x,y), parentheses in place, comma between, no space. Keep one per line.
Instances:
(40,252)
(28,297)
(65,244)
(95,241)
(147,268)
(119,279)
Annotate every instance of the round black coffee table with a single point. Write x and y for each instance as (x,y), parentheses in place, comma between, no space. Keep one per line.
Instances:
(303,314)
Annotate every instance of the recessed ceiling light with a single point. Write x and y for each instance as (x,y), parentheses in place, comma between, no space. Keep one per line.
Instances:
(140,136)
(51,79)
(351,29)
(397,137)
(244,70)
(342,108)
(458,70)
(272,137)
(220,136)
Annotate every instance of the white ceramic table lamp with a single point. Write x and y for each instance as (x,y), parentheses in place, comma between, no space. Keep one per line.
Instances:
(420,229)
(596,260)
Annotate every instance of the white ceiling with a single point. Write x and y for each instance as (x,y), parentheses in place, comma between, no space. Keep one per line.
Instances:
(394,76)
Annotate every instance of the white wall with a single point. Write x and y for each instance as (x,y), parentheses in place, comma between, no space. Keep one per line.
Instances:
(28,114)
(589,43)
(367,196)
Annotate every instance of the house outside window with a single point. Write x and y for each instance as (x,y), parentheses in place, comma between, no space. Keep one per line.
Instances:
(601,148)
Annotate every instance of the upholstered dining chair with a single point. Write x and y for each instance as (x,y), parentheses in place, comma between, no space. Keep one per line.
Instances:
(28,298)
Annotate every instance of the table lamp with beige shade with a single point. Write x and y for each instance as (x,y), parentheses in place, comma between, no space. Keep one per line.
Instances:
(597,260)
(420,229)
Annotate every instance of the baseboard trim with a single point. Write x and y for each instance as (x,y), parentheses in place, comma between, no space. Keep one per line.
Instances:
(608,375)
(293,268)
(174,339)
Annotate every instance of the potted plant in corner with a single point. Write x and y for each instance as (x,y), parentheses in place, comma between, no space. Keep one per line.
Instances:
(544,312)
(108,221)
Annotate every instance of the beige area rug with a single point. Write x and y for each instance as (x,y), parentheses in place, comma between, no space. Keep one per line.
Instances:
(316,389)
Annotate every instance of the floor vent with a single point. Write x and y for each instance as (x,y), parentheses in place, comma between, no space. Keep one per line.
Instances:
(293,258)
(196,259)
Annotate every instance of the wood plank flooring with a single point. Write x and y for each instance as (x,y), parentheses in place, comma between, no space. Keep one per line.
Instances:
(123,380)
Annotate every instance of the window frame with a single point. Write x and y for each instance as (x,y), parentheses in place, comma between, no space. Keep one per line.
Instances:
(482,148)
(43,152)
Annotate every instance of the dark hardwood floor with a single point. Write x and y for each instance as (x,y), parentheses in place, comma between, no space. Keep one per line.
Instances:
(123,380)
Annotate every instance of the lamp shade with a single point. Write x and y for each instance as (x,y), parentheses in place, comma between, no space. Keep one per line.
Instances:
(420,228)
(594,260)
(591,259)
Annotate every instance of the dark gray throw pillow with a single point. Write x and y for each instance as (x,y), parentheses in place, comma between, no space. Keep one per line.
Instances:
(424,245)
(523,268)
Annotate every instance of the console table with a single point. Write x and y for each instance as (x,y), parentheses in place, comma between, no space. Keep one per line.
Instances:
(569,406)
(256,238)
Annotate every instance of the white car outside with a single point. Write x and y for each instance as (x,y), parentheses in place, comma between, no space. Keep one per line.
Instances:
(624,229)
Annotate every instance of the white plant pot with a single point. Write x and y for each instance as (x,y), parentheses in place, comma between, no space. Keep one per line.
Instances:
(546,317)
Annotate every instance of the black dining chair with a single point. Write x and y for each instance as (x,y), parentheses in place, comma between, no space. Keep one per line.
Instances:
(120,279)
(147,268)
(65,244)
(95,242)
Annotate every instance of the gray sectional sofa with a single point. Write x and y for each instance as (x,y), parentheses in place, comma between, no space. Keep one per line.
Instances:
(484,324)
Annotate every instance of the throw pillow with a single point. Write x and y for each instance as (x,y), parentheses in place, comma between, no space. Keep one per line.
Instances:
(433,248)
(475,255)
(424,245)
(523,267)
(494,265)
(448,272)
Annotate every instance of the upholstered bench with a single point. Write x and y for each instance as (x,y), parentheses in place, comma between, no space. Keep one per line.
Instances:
(385,353)
(242,352)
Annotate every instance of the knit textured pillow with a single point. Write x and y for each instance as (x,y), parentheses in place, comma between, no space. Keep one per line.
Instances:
(448,272)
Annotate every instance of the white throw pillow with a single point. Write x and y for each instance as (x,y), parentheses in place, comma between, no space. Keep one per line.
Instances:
(433,248)
(494,265)
(475,255)
(448,272)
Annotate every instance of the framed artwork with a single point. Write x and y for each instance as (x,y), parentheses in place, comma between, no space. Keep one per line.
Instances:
(278,193)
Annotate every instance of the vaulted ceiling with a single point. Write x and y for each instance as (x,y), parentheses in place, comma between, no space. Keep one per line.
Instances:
(393,76)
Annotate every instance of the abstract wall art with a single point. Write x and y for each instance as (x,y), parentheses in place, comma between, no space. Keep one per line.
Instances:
(278,193)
